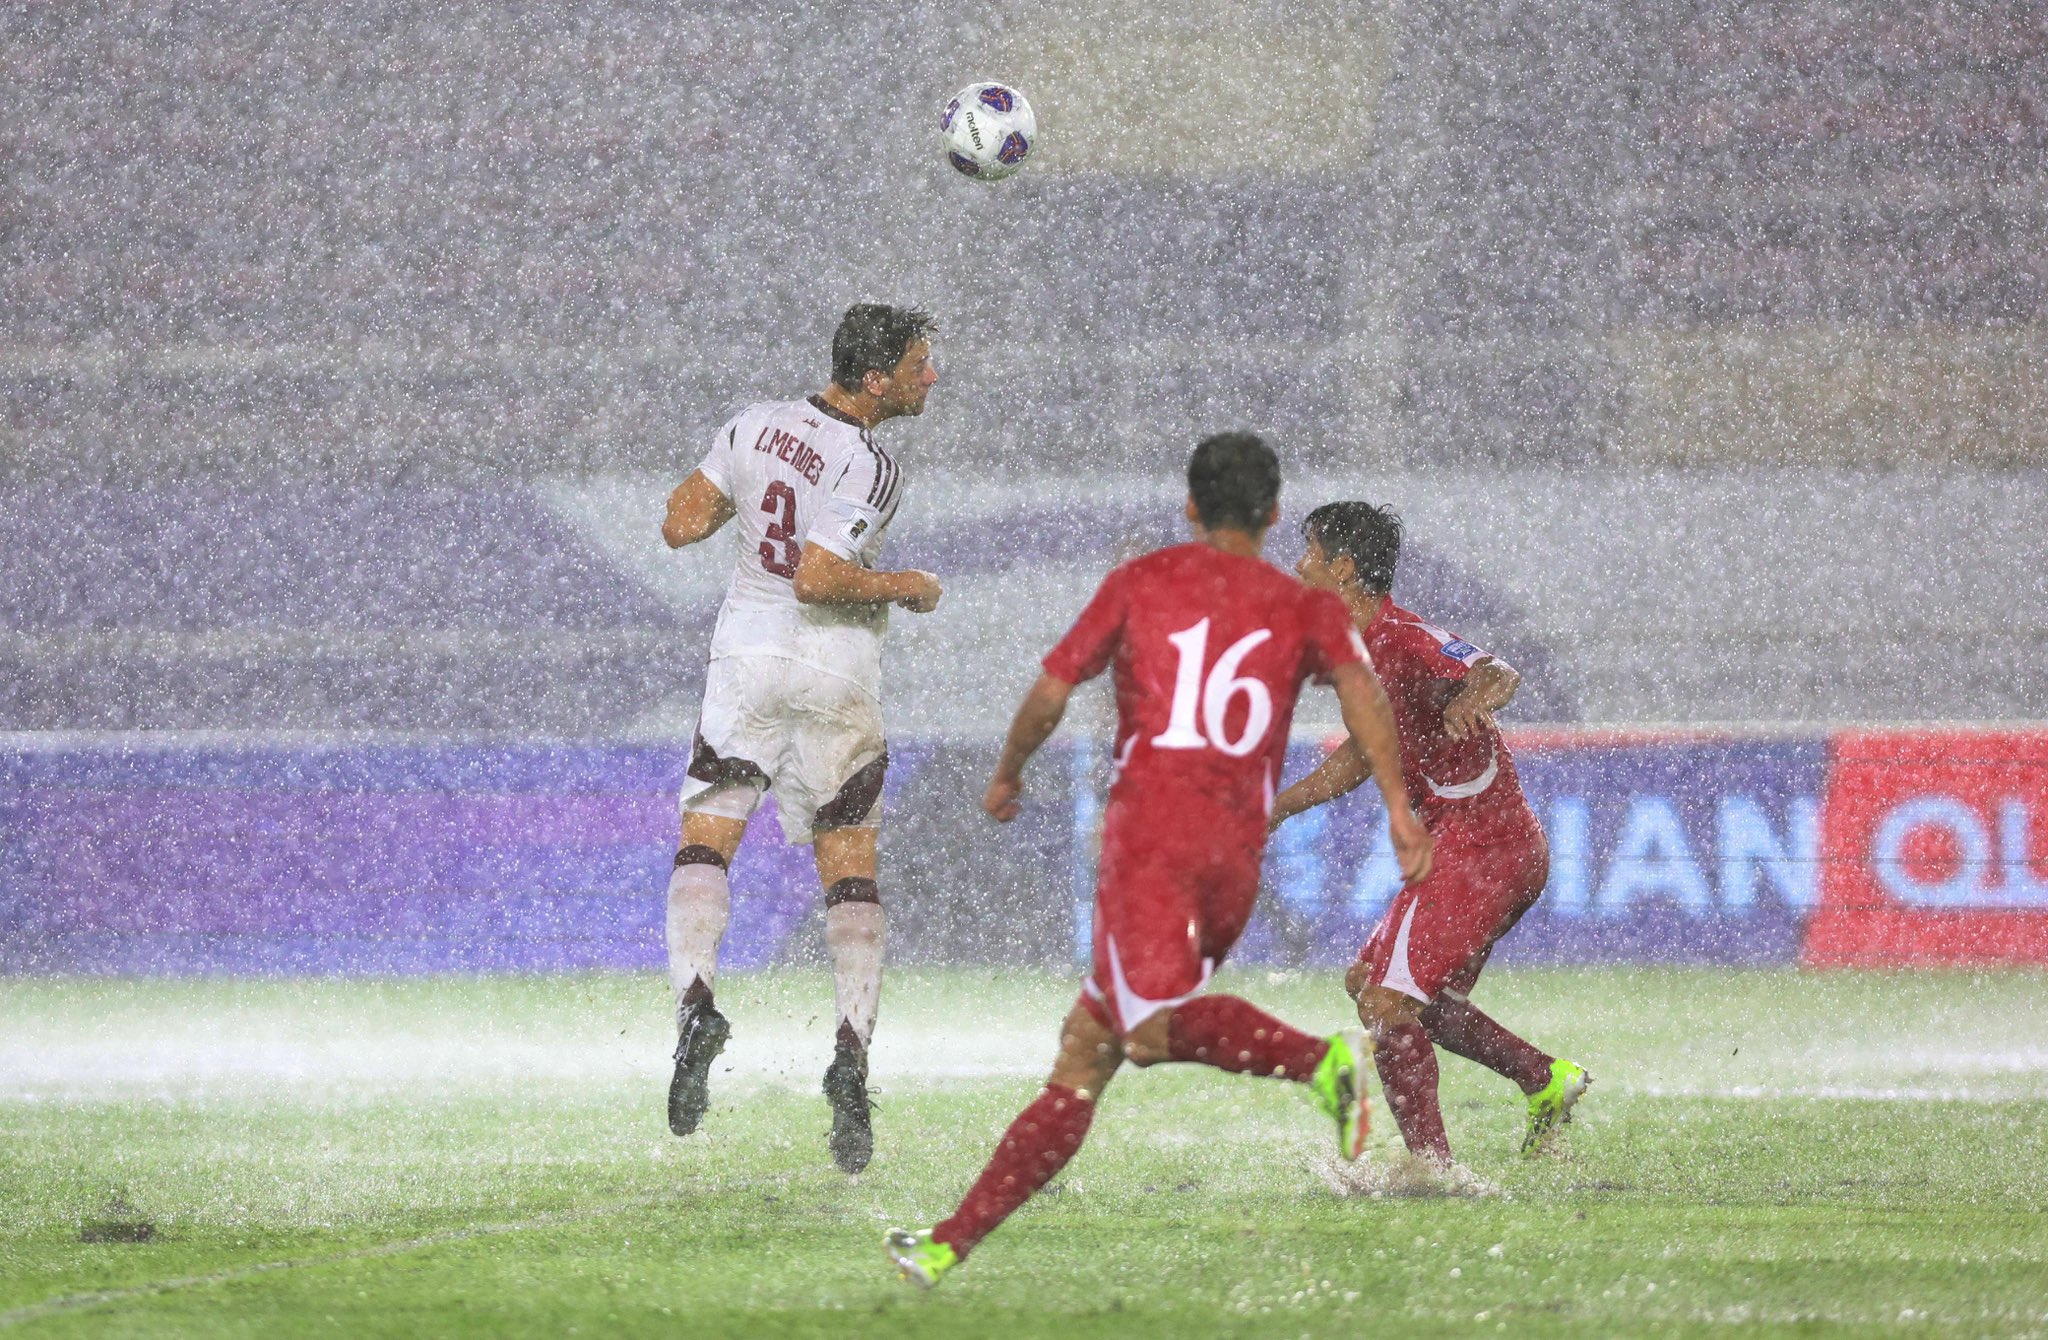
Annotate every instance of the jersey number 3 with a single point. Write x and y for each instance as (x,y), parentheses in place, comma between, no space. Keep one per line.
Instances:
(1212,695)
(780,551)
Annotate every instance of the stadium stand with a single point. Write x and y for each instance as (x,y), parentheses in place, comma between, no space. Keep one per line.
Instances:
(319,326)
(318,609)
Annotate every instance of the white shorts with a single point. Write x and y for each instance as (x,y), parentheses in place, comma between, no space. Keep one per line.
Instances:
(771,722)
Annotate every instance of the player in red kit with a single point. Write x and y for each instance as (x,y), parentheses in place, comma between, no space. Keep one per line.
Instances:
(1209,645)
(1414,977)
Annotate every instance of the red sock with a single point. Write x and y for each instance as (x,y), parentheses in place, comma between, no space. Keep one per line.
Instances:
(1236,1035)
(1407,1066)
(1037,1145)
(1461,1027)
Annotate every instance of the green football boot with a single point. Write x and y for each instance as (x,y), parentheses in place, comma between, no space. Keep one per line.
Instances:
(919,1259)
(1551,1106)
(1338,1088)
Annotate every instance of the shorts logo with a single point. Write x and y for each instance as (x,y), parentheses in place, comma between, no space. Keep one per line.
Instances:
(858,528)
(1460,649)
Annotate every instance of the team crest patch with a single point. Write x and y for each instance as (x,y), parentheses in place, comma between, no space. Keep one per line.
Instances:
(858,528)
(1459,649)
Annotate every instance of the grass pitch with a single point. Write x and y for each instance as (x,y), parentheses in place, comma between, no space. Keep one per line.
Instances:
(1762,1152)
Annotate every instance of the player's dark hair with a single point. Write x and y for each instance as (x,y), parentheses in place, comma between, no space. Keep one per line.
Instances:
(1369,536)
(1234,479)
(873,337)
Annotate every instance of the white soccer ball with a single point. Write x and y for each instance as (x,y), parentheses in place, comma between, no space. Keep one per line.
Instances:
(988,131)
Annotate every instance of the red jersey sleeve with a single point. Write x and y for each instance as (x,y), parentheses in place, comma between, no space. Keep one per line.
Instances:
(1329,638)
(1447,655)
(1090,644)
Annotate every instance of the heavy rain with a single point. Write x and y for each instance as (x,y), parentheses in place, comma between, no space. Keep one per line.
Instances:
(350,355)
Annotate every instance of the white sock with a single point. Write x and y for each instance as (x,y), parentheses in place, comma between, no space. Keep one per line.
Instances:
(853,936)
(698,905)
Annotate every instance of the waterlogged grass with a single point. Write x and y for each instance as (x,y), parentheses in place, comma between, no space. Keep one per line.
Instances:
(1763,1153)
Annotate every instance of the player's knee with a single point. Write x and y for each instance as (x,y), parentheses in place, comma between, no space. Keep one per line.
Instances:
(1357,978)
(1143,1056)
(1087,1068)
(1380,1009)
(1151,1042)
(1090,1050)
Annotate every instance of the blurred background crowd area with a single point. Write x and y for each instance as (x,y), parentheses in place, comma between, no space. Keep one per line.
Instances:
(349,350)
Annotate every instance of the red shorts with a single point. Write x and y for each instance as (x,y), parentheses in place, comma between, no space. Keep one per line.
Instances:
(1171,898)
(1437,935)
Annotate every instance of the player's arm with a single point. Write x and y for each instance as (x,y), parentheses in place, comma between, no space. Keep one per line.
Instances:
(1339,774)
(1370,719)
(1078,657)
(1037,717)
(824,578)
(1487,687)
(695,511)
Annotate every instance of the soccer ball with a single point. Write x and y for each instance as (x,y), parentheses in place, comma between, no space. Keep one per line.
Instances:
(988,130)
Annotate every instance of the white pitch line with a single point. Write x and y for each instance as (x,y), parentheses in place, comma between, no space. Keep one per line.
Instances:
(201,1063)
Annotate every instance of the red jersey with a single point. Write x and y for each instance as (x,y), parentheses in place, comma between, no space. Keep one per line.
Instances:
(1210,651)
(1420,666)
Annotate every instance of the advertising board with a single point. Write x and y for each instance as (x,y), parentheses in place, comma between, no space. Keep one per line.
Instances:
(1934,846)
(138,857)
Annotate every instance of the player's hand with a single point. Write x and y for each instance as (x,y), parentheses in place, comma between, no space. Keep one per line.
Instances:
(1464,717)
(1414,848)
(925,598)
(1003,801)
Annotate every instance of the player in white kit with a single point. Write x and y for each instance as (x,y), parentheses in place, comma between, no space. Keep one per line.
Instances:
(792,695)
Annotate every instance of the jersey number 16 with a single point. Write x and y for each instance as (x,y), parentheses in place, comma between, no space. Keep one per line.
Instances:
(1213,695)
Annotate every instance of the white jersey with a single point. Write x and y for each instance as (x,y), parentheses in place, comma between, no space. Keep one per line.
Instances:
(800,473)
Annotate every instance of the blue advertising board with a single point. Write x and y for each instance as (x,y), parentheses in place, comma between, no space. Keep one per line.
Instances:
(1674,851)
(151,858)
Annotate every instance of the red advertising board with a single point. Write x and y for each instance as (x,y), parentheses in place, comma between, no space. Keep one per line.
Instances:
(1932,850)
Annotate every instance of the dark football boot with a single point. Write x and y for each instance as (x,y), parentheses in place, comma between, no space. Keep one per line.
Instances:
(702,1032)
(846,1089)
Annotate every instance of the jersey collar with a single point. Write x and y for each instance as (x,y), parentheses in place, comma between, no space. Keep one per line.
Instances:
(817,402)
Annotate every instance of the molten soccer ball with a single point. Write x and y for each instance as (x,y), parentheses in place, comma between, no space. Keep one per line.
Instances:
(988,130)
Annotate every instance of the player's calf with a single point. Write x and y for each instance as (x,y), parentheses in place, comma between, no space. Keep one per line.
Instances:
(698,903)
(1235,1035)
(1462,1028)
(1406,1062)
(1031,1152)
(854,937)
